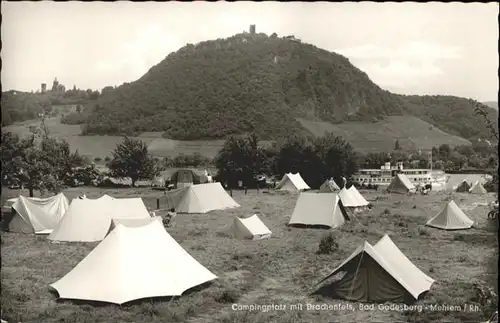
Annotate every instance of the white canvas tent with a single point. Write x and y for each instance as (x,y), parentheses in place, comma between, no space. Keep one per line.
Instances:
(478,188)
(250,228)
(36,215)
(451,217)
(292,183)
(400,184)
(133,263)
(329,186)
(362,202)
(322,209)
(379,273)
(351,201)
(201,198)
(89,220)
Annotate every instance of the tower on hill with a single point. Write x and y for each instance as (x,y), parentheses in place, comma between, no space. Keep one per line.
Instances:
(252,29)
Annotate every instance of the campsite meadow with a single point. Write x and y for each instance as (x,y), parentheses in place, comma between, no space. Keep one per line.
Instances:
(282,269)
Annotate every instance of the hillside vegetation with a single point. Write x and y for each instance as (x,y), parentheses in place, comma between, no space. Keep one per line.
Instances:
(452,114)
(21,106)
(411,133)
(250,83)
(241,84)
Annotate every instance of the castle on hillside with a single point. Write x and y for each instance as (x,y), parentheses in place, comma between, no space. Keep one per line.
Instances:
(56,87)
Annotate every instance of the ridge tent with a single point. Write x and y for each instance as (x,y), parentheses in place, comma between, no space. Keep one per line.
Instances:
(379,273)
(292,183)
(250,228)
(36,215)
(400,184)
(350,201)
(132,223)
(187,177)
(463,187)
(451,217)
(478,188)
(201,198)
(318,209)
(90,219)
(359,198)
(125,266)
(329,186)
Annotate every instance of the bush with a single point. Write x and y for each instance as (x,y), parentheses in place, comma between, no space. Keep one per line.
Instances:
(227,296)
(423,232)
(386,212)
(97,159)
(107,159)
(328,244)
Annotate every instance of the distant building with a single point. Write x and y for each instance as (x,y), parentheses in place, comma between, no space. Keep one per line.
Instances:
(44,87)
(55,84)
(252,29)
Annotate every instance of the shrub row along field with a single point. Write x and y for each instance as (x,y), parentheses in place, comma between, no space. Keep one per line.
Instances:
(280,270)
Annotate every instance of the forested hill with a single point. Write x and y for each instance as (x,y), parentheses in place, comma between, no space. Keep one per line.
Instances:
(253,82)
(455,115)
(239,84)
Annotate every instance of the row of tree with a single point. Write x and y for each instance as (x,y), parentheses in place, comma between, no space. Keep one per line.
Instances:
(40,162)
(316,159)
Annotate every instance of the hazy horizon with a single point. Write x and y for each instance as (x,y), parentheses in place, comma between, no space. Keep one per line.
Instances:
(407,48)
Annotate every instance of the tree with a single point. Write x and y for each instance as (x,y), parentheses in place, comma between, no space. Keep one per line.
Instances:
(397,145)
(375,160)
(131,159)
(241,158)
(37,162)
(336,158)
(79,108)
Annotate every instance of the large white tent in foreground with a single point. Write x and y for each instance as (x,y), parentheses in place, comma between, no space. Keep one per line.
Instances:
(133,263)
(36,215)
(379,273)
(90,219)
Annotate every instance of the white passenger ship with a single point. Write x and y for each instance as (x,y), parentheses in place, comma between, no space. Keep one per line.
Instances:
(386,173)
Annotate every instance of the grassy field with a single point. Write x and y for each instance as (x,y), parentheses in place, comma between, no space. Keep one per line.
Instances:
(411,132)
(280,270)
(102,146)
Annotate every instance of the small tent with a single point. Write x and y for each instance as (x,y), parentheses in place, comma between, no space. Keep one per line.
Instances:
(187,177)
(90,219)
(379,273)
(478,188)
(250,228)
(322,209)
(400,184)
(133,263)
(350,201)
(36,215)
(292,182)
(451,218)
(329,186)
(201,198)
(362,202)
(463,187)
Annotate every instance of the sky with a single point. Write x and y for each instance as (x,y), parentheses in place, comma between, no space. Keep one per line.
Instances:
(408,48)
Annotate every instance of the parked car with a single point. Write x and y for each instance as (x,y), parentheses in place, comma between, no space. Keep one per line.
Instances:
(7,207)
